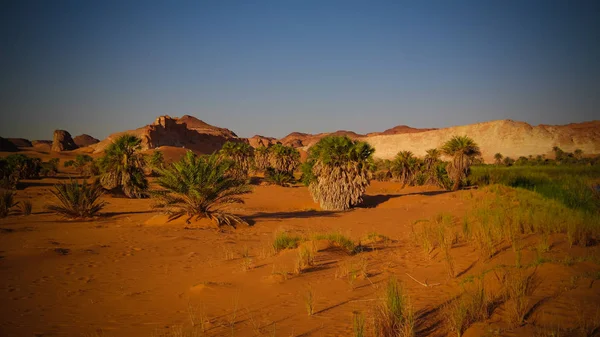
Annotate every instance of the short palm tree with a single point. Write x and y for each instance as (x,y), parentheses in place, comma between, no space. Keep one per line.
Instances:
(123,167)
(405,167)
(498,158)
(200,187)
(558,153)
(84,164)
(241,154)
(261,158)
(155,161)
(77,200)
(284,158)
(431,161)
(432,158)
(337,172)
(463,150)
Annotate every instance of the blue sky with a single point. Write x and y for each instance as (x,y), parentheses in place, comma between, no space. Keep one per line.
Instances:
(273,67)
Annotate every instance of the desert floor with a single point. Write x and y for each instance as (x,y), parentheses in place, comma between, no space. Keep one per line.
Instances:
(128,273)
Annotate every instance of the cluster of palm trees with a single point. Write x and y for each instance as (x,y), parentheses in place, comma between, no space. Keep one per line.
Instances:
(337,172)
(560,157)
(407,169)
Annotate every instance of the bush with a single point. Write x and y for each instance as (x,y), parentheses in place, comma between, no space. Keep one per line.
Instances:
(49,168)
(394,316)
(281,178)
(340,240)
(77,200)
(6,202)
(284,240)
(83,164)
(200,187)
(26,207)
(24,167)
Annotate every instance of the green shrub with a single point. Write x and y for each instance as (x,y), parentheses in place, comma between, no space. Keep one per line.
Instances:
(200,187)
(340,240)
(574,186)
(394,315)
(49,168)
(77,200)
(276,177)
(284,240)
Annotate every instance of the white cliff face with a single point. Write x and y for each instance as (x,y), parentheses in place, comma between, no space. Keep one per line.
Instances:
(510,138)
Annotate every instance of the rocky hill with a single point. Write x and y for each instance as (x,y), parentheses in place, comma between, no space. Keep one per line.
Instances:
(85,140)
(186,132)
(510,138)
(398,130)
(258,141)
(299,139)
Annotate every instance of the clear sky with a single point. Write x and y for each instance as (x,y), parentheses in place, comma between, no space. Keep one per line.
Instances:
(273,67)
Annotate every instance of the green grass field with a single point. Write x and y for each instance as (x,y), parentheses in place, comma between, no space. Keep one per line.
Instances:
(575,186)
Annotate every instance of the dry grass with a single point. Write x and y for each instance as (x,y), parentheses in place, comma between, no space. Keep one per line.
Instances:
(445,240)
(309,301)
(25,207)
(6,202)
(475,304)
(358,324)
(283,240)
(518,287)
(339,240)
(394,315)
(306,258)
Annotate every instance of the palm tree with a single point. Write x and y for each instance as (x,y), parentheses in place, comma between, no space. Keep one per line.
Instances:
(462,149)
(337,172)
(200,187)
(241,154)
(123,167)
(261,158)
(432,158)
(508,161)
(405,167)
(284,158)
(558,153)
(498,158)
(431,161)
(155,161)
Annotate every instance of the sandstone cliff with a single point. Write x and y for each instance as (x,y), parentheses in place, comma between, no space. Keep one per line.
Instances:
(62,141)
(510,138)
(187,132)
(85,140)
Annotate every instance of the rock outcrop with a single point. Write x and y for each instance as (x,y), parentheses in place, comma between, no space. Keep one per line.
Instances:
(399,129)
(20,142)
(299,139)
(258,141)
(62,141)
(187,132)
(510,138)
(85,140)
(7,146)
